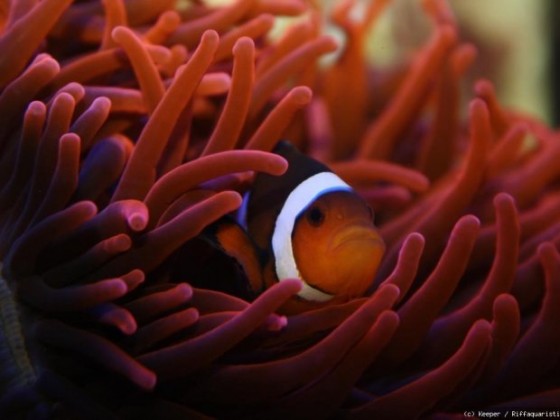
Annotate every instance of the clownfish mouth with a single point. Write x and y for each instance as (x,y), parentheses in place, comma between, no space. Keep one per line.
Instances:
(353,256)
(355,237)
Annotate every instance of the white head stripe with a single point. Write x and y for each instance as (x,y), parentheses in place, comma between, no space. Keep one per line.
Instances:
(298,200)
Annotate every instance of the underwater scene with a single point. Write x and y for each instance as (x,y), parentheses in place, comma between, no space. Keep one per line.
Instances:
(238,210)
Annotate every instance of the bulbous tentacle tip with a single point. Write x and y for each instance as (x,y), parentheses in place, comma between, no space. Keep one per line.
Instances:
(290,286)
(145,379)
(185,290)
(469,222)
(137,221)
(448,34)
(244,46)
(301,95)
(503,199)
(416,240)
(548,254)
(478,108)
(275,323)
(120,34)
(210,36)
(483,88)
(392,291)
(170,19)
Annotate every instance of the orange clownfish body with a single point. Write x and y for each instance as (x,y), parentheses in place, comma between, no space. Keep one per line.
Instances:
(311,225)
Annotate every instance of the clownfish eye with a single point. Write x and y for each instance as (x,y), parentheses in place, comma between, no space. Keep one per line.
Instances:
(315,216)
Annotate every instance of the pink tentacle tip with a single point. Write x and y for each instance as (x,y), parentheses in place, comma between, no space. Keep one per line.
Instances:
(121,319)
(137,221)
(134,279)
(235,198)
(483,88)
(276,323)
(478,108)
(64,98)
(547,253)
(127,326)
(243,45)
(170,19)
(119,243)
(192,315)
(279,166)
(119,33)
(47,60)
(102,102)
(393,291)
(211,36)
(69,138)
(294,286)
(448,34)
(470,222)
(89,207)
(503,199)
(185,290)
(416,239)
(481,328)
(74,90)
(37,108)
(114,287)
(301,95)
(144,378)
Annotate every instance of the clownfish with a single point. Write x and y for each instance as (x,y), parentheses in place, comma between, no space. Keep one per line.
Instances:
(306,224)
(310,225)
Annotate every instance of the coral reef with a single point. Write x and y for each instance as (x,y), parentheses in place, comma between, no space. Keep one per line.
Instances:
(130,127)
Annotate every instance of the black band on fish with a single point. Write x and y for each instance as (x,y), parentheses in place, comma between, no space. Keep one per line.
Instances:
(298,200)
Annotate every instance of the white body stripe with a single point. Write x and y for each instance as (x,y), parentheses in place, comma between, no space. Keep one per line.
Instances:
(298,200)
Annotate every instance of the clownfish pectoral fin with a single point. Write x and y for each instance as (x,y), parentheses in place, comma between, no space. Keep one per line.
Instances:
(234,242)
(226,260)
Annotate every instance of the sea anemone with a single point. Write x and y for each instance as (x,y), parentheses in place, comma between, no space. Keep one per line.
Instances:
(131,127)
